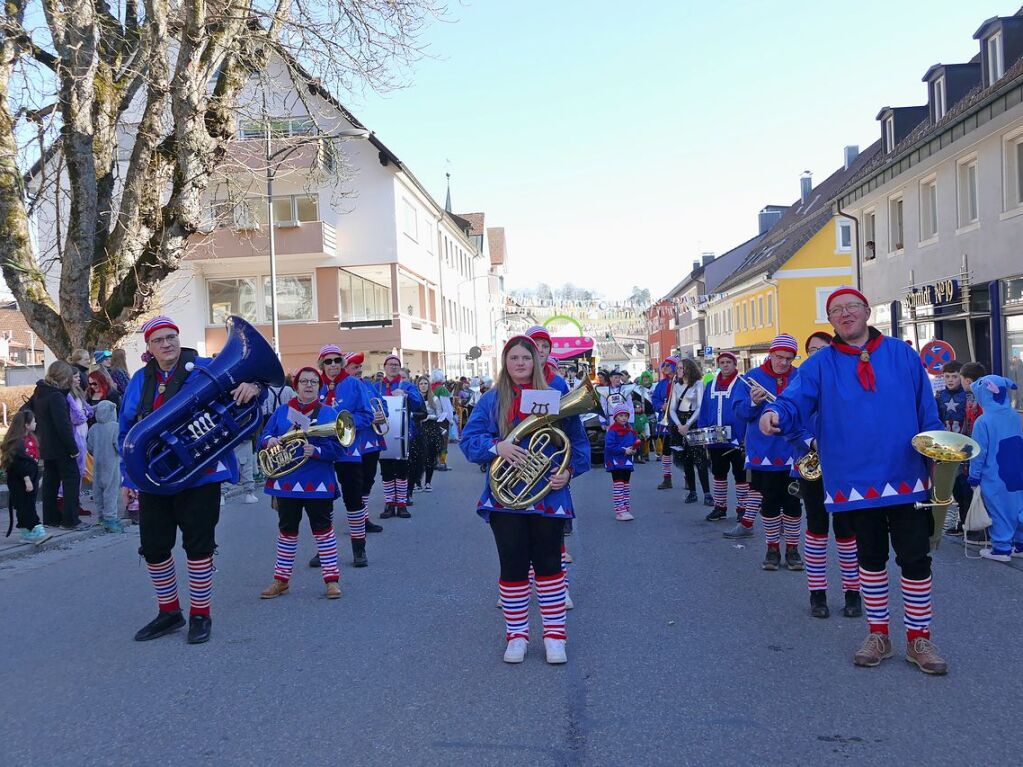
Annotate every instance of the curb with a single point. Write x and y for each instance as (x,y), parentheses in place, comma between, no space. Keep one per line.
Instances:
(57,542)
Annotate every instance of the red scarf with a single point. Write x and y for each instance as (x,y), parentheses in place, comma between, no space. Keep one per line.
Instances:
(620,428)
(516,403)
(391,385)
(332,384)
(864,370)
(162,378)
(303,409)
(32,446)
(780,380)
(550,370)
(724,383)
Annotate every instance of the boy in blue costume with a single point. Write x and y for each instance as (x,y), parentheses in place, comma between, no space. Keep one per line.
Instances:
(620,445)
(954,402)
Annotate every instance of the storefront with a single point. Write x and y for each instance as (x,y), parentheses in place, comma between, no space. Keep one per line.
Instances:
(1009,297)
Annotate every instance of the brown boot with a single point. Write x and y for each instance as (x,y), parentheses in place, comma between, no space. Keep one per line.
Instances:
(275,589)
(875,648)
(924,654)
(333,590)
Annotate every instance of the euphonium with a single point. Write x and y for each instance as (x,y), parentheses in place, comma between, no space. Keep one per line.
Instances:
(947,449)
(809,466)
(170,448)
(377,406)
(288,455)
(524,484)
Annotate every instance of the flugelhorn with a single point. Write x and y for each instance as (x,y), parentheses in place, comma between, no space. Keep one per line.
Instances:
(288,454)
(947,449)
(753,385)
(377,406)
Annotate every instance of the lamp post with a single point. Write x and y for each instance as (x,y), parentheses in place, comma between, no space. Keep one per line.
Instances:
(271,172)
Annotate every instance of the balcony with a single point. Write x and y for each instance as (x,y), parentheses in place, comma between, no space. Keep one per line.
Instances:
(307,238)
(248,156)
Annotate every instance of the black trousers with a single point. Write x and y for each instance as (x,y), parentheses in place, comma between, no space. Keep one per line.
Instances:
(195,511)
(417,458)
(909,530)
(963,495)
(723,459)
(817,516)
(694,464)
(620,475)
(527,538)
(349,478)
(774,487)
(289,513)
(57,471)
(393,469)
(24,504)
(369,471)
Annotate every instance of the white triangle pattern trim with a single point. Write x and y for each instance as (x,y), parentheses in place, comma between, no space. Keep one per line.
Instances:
(220,467)
(888,491)
(854,495)
(765,461)
(828,498)
(919,487)
(356,453)
(277,485)
(322,488)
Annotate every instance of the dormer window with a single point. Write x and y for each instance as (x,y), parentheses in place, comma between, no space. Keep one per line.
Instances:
(889,133)
(995,59)
(938,97)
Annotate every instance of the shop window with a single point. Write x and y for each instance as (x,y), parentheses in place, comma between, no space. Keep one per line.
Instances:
(1013,366)
(365,294)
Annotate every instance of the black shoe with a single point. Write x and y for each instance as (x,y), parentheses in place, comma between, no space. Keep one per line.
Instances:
(772,561)
(716,514)
(359,553)
(199,629)
(708,499)
(315,561)
(665,484)
(404,513)
(388,511)
(164,623)
(792,559)
(373,527)
(853,607)
(957,530)
(691,497)
(408,503)
(819,604)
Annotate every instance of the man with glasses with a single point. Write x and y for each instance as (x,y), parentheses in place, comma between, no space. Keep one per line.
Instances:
(194,510)
(870,396)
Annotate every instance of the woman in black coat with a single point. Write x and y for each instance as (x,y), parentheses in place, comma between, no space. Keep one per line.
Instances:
(57,445)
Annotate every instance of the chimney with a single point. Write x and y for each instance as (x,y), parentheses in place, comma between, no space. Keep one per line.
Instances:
(851,153)
(768,217)
(706,258)
(805,186)
(696,265)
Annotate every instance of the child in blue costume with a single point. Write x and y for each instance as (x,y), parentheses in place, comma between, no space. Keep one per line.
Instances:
(953,404)
(620,444)
(311,488)
(532,535)
(998,470)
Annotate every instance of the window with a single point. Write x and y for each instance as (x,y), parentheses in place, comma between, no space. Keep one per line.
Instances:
(995,61)
(928,209)
(896,226)
(250,213)
(232,296)
(760,311)
(869,234)
(770,309)
(889,133)
(1012,151)
(364,297)
(745,316)
(822,302)
(249,297)
(280,127)
(294,298)
(938,97)
(409,220)
(843,236)
(966,183)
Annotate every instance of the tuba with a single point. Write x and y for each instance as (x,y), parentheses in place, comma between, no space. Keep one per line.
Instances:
(288,455)
(377,406)
(171,447)
(947,449)
(524,484)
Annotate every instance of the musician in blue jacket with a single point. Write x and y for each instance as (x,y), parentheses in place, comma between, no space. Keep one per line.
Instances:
(394,471)
(659,399)
(620,444)
(534,534)
(367,440)
(194,510)
(717,410)
(770,459)
(542,338)
(312,487)
(871,396)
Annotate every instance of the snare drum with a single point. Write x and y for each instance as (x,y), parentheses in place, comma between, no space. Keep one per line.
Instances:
(711,435)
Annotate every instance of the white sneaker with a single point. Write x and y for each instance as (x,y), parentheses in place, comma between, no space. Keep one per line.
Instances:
(250,498)
(555,651)
(624,516)
(568,601)
(427,488)
(999,557)
(516,651)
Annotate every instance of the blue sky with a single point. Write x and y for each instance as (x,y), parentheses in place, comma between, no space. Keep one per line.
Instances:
(616,141)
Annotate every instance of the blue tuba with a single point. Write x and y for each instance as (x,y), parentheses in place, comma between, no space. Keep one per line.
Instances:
(168,449)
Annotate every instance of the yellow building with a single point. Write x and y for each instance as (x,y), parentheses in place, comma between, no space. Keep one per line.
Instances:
(782,285)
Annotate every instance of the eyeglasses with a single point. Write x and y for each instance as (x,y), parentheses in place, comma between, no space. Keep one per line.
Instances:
(93,385)
(168,339)
(308,382)
(837,311)
(333,360)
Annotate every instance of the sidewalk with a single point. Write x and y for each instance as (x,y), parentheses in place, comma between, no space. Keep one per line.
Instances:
(12,547)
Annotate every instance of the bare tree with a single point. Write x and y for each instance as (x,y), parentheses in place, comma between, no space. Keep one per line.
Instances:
(116,119)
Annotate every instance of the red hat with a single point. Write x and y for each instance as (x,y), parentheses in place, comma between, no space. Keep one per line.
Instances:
(355,358)
(536,332)
(303,369)
(730,356)
(621,407)
(845,291)
(784,343)
(158,323)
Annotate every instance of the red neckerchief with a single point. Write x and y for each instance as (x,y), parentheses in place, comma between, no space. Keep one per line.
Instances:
(864,370)
(435,386)
(303,409)
(331,384)
(780,380)
(620,429)
(32,446)
(550,370)
(724,383)
(516,403)
(162,379)
(390,385)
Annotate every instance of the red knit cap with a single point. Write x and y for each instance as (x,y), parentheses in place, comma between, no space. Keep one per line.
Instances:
(355,358)
(536,332)
(845,291)
(730,356)
(302,370)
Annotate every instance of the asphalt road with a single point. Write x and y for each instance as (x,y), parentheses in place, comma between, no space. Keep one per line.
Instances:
(681,651)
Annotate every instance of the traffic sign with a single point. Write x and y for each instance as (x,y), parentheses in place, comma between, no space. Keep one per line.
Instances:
(935,355)
(708,351)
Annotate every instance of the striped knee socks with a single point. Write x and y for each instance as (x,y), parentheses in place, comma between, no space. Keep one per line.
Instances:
(753,501)
(326,546)
(815,557)
(165,584)
(628,497)
(720,490)
(772,530)
(401,492)
(847,563)
(200,585)
(741,496)
(618,496)
(666,466)
(388,491)
(564,563)
(550,593)
(791,526)
(287,545)
(515,606)
(874,587)
(916,603)
(357,523)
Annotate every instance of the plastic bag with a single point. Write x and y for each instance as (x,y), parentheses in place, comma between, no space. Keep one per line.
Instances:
(977,518)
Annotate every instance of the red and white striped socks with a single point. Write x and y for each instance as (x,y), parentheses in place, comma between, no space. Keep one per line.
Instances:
(401,492)
(792,526)
(165,583)
(200,585)
(326,546)
(357,523)
(564,563)
(618,496)
(916,602)
(515,606)
(666,466)
(752,508)
(874,588)
(847,563)
(550,593)
(815,557)
(720,491)
(389,491)
(287,545)
(741,494)
(772,530)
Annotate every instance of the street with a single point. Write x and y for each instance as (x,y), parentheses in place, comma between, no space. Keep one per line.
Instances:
(681,651)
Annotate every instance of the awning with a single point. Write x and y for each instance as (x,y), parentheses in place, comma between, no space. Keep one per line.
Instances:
(569,347)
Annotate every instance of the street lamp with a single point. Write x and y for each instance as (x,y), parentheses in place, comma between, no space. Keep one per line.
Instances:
(271,172)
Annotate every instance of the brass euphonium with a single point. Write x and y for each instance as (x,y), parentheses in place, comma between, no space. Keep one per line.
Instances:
(288,455)
(809,466)
(377,406)
(947,449)
(524,484)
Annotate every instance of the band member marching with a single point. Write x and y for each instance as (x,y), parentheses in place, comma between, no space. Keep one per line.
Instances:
(394,472)
(683,409)
(871,396)
(815,539)
(194,510)
(620,445)
(311,488)
(342,392)
(662,425)
(770,459)
(717,410)
(534,534)
(369,441)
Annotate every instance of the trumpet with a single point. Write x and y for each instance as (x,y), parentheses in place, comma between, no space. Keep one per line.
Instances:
(288,454)
(753,386)
(377,406)
(663,421)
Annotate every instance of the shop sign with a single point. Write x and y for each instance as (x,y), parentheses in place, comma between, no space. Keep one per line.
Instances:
(938,293)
